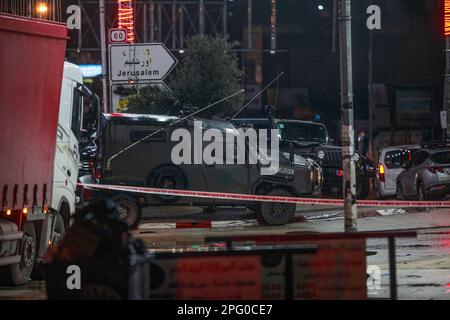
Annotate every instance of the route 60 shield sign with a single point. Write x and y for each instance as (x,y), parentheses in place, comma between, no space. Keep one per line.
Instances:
(117,35)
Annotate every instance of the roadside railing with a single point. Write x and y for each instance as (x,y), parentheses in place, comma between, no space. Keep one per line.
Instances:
(391,236)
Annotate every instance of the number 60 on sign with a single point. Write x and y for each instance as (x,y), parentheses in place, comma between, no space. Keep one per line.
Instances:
(117,35)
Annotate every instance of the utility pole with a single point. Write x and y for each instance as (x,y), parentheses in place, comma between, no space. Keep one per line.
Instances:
(225,18)
(249,24)
(446,108)
(174,24)
(446,102)
(370,89)
(181,35)
(334,27)
(347,130)
(201,18)
(152,21)
(101,6)
(144,17)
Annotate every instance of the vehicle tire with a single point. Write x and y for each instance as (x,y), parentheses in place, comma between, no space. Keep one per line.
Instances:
(128,209)
(59,230)
(400,193)
(18,274)
(168,177)
(421,195)
(276,213)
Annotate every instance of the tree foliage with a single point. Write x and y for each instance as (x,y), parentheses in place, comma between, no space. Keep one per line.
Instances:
(207,73)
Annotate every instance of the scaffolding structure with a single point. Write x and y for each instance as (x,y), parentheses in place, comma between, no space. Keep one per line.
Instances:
(38,9)
(165,21)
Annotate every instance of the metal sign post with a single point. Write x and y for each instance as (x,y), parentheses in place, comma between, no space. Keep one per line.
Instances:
(348,136)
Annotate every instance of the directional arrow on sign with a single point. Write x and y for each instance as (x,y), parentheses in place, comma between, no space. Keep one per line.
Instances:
(140,62)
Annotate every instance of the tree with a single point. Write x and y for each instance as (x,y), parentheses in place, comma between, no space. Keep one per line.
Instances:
(208,72)
(153,100)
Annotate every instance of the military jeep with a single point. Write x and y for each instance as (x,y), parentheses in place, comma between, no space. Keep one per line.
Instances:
(149,164)
(311,140)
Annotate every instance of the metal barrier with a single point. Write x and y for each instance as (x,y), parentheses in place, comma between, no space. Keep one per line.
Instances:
(274,239)
(286,251)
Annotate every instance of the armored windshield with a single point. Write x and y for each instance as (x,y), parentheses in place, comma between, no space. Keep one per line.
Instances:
(303,131)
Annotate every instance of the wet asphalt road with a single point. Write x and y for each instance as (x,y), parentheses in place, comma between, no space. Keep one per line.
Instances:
(423,262)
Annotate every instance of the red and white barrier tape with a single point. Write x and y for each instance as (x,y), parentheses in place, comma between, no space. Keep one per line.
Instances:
(262,198)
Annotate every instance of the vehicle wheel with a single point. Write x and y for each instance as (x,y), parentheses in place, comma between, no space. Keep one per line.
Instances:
(276,213)
(400,193)
(19,274)
(59,230)
(168,178)
(128,209)
(421,195)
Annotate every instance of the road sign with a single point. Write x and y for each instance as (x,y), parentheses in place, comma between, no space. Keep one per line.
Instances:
(120,93)
(117,35)
(140,62)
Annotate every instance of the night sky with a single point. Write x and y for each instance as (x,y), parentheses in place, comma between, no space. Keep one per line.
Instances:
(407,51)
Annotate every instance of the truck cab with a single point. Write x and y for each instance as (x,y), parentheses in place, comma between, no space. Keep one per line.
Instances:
(67,153)
(76,101)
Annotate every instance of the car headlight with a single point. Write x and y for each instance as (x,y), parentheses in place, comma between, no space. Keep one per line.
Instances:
(321,154)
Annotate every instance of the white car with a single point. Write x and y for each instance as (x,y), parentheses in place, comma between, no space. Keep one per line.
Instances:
(390,163)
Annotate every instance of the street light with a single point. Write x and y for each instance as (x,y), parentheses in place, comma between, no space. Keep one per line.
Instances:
(42,8)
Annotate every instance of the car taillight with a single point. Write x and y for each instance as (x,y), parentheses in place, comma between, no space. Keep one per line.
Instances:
(340,173)
(381,171)
(436,169)
(97,174)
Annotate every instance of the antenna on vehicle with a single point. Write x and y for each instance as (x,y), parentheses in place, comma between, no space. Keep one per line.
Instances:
(276,94)
(256,95)
(108,163)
